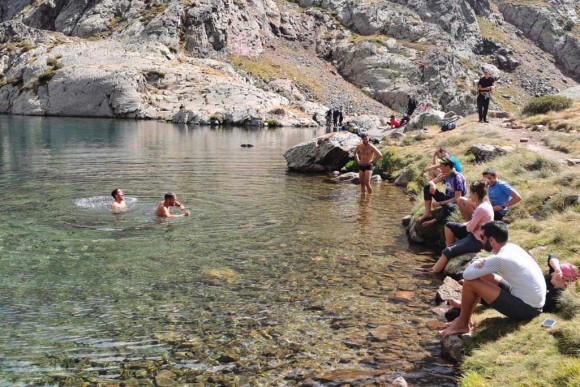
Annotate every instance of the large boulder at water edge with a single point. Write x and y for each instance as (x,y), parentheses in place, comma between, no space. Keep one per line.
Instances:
(326,153)
(430,117)
(430,236)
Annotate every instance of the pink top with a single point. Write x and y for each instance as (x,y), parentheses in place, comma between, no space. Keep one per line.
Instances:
(482,214)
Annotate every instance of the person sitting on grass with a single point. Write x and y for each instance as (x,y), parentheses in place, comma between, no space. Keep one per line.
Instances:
(510,281)
(454,189)
(559,276)
(433,169)
(463,238)
(394,122)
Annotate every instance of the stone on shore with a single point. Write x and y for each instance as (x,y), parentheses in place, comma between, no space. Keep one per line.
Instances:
(325,153)
(449,289)
(431,236)
(486,152)
(452,346)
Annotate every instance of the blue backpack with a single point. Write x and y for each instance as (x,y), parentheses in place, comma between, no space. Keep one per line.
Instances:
(450,125)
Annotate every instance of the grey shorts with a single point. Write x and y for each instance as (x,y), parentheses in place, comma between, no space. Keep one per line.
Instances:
(511,306)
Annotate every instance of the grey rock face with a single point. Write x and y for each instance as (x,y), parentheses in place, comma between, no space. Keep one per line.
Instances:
(545,28)
(448,290)
(326,153)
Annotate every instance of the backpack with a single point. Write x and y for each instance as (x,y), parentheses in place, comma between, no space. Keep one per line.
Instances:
(450,125)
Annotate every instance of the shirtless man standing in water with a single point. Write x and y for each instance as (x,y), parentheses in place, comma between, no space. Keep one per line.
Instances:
(366,155)
(119,204)
(170,201)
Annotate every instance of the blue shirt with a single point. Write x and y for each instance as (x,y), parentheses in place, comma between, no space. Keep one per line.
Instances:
(499,194)
(456,164)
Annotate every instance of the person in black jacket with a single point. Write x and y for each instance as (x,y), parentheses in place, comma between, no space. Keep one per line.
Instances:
(484,88)
(559,275)
(411,105)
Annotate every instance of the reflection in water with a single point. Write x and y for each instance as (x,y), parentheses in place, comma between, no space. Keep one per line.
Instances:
(275,278)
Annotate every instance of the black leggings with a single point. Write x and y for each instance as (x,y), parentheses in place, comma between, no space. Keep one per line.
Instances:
(482,106)
(446,209)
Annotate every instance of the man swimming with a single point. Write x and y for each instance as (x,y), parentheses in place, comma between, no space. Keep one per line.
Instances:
(170,201)
(366,155)
(119,205)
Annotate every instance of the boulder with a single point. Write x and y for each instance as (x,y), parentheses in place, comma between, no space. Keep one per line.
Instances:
(572,93)
(184,117)
(348,176)
(431,236)
(456,265)
(431,117)
(452,346)
(404,177)
(449,289)
(485,152)
(406,220)
(326,153)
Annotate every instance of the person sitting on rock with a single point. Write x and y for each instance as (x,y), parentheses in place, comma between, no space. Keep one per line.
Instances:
(510,281)
(454,189)
(394,123)
(559,276)
(464,238)
(501,194)
(440,153)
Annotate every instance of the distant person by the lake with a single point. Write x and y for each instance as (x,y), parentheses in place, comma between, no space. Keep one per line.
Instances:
(366,155)
(118,206)
(163,209)
(411,105)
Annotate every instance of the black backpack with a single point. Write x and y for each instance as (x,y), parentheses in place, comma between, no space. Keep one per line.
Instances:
(449,125)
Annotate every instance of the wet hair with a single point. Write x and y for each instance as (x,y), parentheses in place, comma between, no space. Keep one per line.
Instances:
(169,195)
(115,192)
(479,188)
(569,271)
(496,229)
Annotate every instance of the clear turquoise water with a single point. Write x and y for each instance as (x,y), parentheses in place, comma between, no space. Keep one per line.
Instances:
(286,274)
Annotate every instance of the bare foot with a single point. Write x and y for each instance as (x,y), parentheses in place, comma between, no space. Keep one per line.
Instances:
(452,302)
(429,222)
(455,328)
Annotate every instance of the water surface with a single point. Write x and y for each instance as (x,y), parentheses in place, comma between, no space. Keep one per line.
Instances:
(274,279)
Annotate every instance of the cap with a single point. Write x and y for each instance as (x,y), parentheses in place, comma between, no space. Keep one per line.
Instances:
(488,171)
(446,161)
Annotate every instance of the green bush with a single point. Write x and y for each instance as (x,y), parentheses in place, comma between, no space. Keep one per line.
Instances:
(46,76)
(543,105)
(217,117)
(351,166)
(391,161)
(272,122)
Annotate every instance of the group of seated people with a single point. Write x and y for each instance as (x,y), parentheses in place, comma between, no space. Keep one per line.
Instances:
(510,280)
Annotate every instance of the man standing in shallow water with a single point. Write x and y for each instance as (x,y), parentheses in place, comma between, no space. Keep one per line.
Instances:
(170,201)
(119,204)
(366,155)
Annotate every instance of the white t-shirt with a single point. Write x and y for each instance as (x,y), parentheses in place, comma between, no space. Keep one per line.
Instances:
(515,266)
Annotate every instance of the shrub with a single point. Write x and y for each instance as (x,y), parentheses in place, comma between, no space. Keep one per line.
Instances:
(46,76)
(217,117)
(569,25)
(352,165)
(391,161)
(54,63)
(542,164)
(273,122)
(542,105)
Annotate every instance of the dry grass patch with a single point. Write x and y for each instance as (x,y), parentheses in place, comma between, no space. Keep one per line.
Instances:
(564,142)
(491,31)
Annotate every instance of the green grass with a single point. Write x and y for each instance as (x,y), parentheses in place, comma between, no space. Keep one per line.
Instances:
(545,104)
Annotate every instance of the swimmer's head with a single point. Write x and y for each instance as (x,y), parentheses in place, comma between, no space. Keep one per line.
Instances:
(116,191)
(169,196)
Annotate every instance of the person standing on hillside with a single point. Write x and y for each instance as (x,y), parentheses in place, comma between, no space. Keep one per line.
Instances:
(411,105)
(484,88)
(366,155)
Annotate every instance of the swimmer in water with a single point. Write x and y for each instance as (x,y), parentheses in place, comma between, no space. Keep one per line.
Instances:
(170,201)
(119,205)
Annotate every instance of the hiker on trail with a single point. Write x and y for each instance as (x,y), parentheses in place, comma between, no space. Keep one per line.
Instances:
(119,205)
(463,238)
(335,114)
(484,88)
(411,105)
(394,123)
(340,117)
(169,201)
(454,189)
(510,281)
(366,156)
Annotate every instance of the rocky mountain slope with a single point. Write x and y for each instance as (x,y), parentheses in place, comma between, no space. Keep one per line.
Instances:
(278,60)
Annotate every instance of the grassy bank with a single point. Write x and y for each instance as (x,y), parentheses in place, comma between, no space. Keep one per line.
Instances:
(504,352)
